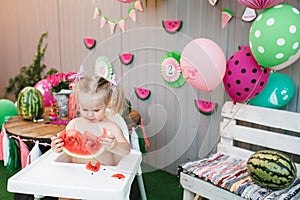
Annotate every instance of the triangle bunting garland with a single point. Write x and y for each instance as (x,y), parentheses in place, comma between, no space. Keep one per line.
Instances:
(135,6)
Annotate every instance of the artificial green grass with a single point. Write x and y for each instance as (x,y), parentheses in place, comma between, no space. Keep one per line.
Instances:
(159,185)
(4,175)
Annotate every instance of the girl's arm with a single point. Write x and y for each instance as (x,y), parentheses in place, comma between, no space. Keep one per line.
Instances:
(116,142)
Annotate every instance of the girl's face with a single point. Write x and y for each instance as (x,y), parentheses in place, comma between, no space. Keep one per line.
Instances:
(92,111)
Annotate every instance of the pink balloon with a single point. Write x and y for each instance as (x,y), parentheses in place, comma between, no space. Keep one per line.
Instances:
(45,88)
(203,64)
(260,4)
(244,77)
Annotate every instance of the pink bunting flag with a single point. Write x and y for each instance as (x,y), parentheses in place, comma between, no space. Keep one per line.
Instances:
(144,134)
(226,16)
(103,21)
(24,151)
(5,147)
(112,26)
(132,14)
(97,13)
(122,24)
(213,2)
(1,143)
(138,6)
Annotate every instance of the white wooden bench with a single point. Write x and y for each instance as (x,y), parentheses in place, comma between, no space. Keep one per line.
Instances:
(269,129)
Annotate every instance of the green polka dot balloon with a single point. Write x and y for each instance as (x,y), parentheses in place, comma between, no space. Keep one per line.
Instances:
(274,37)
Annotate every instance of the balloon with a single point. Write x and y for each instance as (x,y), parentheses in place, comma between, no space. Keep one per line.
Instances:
(259,4)
(278,92)
(274,37)
(244,78)
(7,110)
(44,87)
(203,64)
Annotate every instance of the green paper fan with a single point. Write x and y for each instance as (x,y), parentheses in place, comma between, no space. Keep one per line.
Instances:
(170,69)
(103,67)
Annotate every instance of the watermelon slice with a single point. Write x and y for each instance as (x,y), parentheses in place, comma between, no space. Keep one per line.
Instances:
(126,58)
(205,107)
(119,176)
(83,146)
(226,16)
(89,43)
(91,167)
(172,26)
(142,93)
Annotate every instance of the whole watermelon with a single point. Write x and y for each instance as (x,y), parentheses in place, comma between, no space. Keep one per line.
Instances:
(271,169)
(30,103)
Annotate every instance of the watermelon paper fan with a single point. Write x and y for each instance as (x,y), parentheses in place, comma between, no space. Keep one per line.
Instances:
(171,71)
(103,67)
(259,4)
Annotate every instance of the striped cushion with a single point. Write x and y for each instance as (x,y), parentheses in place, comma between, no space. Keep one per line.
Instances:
(230,173)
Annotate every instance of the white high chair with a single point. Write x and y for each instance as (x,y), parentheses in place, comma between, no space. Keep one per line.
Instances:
(52,175)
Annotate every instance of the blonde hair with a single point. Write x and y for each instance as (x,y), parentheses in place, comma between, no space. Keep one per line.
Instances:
(102,92)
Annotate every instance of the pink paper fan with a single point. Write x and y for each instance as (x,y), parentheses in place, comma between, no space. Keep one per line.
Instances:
(260,4)
(170,69)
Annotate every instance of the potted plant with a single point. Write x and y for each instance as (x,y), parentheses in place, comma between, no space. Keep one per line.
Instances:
(30,75)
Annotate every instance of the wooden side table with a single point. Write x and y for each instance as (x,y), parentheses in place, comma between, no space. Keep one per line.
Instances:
(43,131)
(17,126)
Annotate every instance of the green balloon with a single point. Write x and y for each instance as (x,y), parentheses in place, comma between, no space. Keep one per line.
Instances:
(274,36)
(7,110)
(278,92)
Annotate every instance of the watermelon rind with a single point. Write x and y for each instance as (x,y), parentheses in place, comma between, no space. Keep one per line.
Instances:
(136,90)
(211,111)
(174,29)
(69,153)
(271,169)
(89,43)
(30,103)
(123,60)
(181,80)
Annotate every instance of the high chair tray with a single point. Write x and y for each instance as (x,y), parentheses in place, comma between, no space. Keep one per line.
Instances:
(52,175)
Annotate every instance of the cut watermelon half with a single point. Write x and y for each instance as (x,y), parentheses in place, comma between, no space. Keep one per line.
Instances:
(83,146)
(126,58)
(142,93)
(89,43)
(205,107)
(172,26)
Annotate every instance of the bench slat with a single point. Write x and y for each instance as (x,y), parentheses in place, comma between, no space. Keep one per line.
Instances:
(264,116)
(279,141)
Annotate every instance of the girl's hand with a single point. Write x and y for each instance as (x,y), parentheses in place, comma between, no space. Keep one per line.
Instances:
(56,144)
(109,142)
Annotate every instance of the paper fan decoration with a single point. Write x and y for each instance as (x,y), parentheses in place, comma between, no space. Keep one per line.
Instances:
(103,67)
(259,4)
(171,71)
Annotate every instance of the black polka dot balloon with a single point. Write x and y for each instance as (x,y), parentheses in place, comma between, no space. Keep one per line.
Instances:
(244,77)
